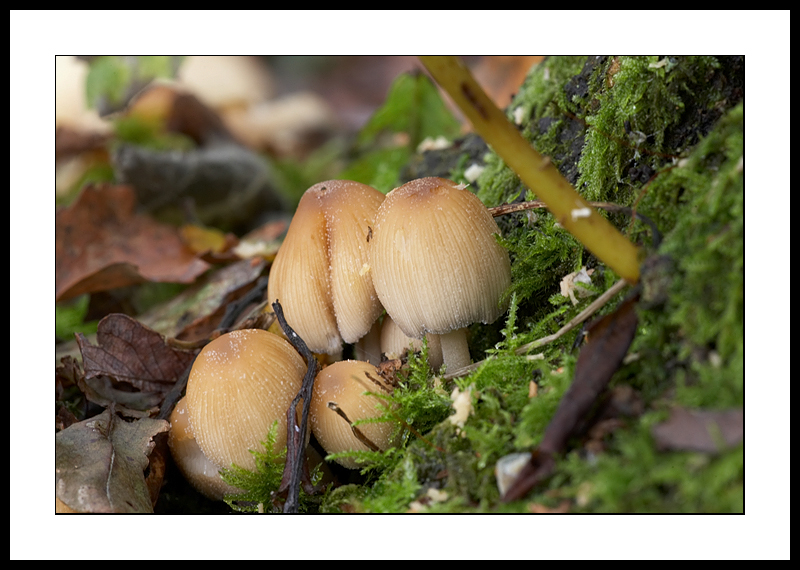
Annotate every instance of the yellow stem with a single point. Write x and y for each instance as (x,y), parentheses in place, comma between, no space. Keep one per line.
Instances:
(536,171)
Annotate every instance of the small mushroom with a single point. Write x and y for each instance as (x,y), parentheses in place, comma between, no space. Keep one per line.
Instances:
(436,263)
(339,399)
(240,384)
(201,473)
(321,274)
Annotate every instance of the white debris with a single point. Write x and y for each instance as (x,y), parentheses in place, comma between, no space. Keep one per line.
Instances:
(472,173)
(434,144)
(437,496)
(519,115)
(581,213)
(462,404)
(569,282)
(507,469)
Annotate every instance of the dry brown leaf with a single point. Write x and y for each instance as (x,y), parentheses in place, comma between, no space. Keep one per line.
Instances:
(707,431)
(195,313)
(100,464)
(130,352)
(538,508)
(102,243)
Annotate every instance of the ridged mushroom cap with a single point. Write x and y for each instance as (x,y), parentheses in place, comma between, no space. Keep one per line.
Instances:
(201,473)
(344,384)
(240,384)
(321,273)
(436,264)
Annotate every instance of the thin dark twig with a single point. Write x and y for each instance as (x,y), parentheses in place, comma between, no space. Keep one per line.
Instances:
(234,309)
(356,432)
(175,393)
(296,467)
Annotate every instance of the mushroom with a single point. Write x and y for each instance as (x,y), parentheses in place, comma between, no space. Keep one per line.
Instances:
(436,264)
(394,343)
(321,274)
(241,384)
(196,468)
(339,399)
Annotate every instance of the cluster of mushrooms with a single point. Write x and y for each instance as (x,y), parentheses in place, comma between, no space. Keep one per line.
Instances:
(425,253)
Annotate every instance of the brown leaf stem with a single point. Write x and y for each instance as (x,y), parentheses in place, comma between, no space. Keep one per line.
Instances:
(296,469)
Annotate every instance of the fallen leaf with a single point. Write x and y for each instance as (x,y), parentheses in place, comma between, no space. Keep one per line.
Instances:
(263,241)
(195,313)
(202,240)
(707,431)
(101,244)
(538,508)
(130,352)
(100,464)
(229,186)
(103,391)
(71,141)
(67,374)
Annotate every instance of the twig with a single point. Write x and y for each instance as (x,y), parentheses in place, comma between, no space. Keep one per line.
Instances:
(174,394)
(356,432)
(234,309)
(296,468)
(578,319)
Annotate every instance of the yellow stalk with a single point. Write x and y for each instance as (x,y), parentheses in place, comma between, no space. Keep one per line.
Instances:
(535,170)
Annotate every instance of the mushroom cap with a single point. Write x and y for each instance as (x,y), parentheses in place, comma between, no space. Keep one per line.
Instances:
(240,384)
(321,273)
(344,383)
(436,264)
(201,473)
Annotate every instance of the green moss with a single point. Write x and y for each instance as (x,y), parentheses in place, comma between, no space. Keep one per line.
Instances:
(70,318)
(259,485)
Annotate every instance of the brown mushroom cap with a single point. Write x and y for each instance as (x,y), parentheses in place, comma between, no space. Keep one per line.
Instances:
(436,264)
(344,384)
(201,473)
(240,384)
(321,274)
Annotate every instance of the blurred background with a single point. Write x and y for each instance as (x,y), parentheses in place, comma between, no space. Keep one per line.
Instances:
(349,88)
(251,133)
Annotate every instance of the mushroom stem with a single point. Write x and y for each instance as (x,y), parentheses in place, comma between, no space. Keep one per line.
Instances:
(368,347)
(455,351)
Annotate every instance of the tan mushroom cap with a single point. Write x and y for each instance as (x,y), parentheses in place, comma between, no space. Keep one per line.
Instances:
(436,264)
(240,384)
(344,383)
(321,274)
(201,473)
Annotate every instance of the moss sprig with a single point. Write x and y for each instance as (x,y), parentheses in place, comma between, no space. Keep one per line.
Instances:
(259,485)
